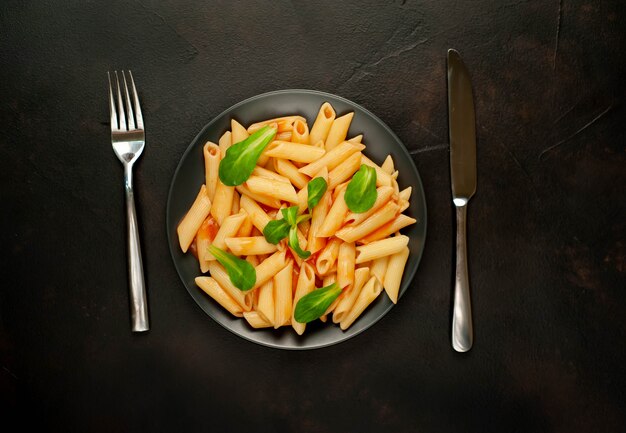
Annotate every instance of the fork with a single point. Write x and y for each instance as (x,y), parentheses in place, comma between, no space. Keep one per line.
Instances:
(128,140)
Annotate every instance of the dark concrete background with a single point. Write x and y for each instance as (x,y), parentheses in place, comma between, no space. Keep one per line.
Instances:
(546,227)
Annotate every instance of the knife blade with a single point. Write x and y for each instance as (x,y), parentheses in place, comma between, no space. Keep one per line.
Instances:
(462,132)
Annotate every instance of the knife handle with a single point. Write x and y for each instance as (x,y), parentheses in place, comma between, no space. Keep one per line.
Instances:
(462,331)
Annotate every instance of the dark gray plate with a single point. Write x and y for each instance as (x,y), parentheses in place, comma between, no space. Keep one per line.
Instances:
(380,142)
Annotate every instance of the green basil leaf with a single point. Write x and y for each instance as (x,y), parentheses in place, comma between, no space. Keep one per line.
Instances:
(242,274)
(241,158)
(315,190)
(294,243)
(313,305)
(276,230)
(303,218)
(290,215)
(361,192)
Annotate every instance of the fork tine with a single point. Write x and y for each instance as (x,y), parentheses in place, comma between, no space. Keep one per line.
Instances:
(129,108)
(114,125)
(120,104)
(136,99)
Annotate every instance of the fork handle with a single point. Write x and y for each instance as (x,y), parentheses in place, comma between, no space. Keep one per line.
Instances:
(462,330)
(138,302)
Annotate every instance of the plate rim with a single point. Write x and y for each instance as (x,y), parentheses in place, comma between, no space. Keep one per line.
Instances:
(248,100)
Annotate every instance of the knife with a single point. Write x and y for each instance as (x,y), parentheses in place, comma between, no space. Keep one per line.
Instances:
(462,130)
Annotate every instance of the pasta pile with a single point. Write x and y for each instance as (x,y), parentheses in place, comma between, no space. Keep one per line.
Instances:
(363,253)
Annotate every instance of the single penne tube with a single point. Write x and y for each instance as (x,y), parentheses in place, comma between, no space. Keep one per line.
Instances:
(338,131)
(283,299)
(382,216)
(290,172)
(300,132)
(269,267)
(225,142)
(399,222)
(382,248)
(332,158)
(239,133)
(367,295)
(263,172)
(378,268)
(204,237)
(245,229)
(345,264)
(388,166)
(304,286)
(356,139)
(228,229)
(284,123)
(303,197)
(345,170)
(404,205)
(222,202)
(395,270)
(221,276)
(235,207)
(315,242)
(193,219)
(211,287)
(251,245)
(382,177)
(293,151)
(328,256)
(256,213)
(256,320)
(383,195)
(272,188)
(349,295)
(265,301)
(212,157)
(324,120)
(335,216)
(405,194)
(260,198)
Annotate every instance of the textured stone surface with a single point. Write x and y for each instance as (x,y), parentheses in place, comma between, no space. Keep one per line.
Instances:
(546,235)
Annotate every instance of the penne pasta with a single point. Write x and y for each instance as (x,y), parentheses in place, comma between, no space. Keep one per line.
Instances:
(363,253)
(335,216)
(395,269)
(256,320)
(224,143)
(283,281)
(333,158)
(338,131)
(382,248)
(252,245)
(228,229)
(293,151)
(213,289)
(388,229)
(265,302)
(383,195)
(193,219)
(367,295)
(300,132)
(304,286)
(349,295)
(272,188)
(220,275)
(328,257)
(322,124)
(269,267)
(379,218)
(212,157)
(223,202)
(238,132)
(291,173)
